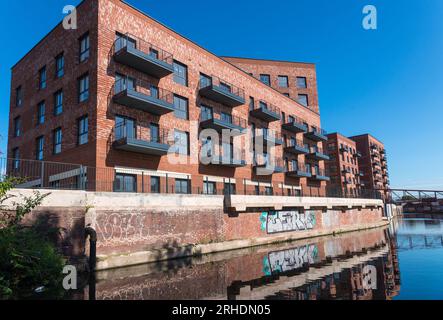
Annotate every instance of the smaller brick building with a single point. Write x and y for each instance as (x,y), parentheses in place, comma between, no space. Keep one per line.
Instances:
(343,165)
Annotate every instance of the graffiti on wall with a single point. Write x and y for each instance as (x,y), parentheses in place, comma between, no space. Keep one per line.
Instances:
(292,259)
(286,221)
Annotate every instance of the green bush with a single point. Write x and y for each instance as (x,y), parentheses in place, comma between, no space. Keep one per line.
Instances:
(28,259)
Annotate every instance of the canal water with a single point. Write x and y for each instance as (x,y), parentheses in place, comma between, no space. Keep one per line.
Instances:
(404,261)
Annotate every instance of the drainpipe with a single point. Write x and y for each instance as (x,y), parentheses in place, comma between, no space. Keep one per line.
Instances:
(92,234)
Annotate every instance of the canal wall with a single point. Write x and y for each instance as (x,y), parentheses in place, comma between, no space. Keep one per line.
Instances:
(138,228)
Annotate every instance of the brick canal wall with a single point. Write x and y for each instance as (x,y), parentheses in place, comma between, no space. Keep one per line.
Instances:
(138,228)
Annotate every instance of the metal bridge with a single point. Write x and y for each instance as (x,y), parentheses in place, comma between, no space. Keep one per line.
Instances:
(419,241)
(402,196)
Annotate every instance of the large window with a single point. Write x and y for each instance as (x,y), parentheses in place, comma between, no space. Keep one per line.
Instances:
(58,102)
(19,96)
(251,103)
(283,81)
(124,128)
(229,188)
(206,113)
(16,157)
(180,73)
(181,107)
(83,130)
(301,82)
(266,79)
(60,65)
(41,111)
(42,78)
(57,141)
(84,47)
(209,187)
(40,142)
(83,88)
(125,183)
(155,184)
(123,82)
(17,127)
(205,80)
(181,186)
(181,140)
(123,41)
(303,99)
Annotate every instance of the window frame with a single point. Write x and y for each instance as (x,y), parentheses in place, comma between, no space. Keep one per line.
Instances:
(42,78)
(40,148)
(58,108)
(81,132)
(286,79)
(60,69)
(178,111)
(83,96)
(177,77)
(84,53)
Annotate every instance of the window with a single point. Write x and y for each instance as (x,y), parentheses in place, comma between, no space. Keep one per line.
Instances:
(181,107)
(18,97)
(283,117)
(269,191)
(83,130)
(123,82)
(41,110)
(266,79)
(209,187)
(39,147)
(229,188)
(181,186)
(57,141)
(301,82)
(16,157)
(155,132)
(60,66)
(17,127)
(83,88)
(125,183)
(251,103)
(180,73)
(181,139)
(206,113)
(42,78)
(155,184)
(58,102)
(225,87)
(226,117)
(207,147)
(84,47)
(205,81)
(283,81)
(303,99)
(124,128)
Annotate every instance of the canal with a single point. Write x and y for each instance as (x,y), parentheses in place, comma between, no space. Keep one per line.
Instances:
(404,261)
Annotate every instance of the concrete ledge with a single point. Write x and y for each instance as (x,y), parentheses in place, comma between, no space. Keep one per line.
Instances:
(143,257)
(241,203)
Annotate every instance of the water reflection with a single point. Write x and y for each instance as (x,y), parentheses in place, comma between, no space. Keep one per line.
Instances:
(356,266)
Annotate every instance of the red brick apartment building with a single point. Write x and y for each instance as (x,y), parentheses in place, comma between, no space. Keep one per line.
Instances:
(343,165)
(115,92)
(373,162)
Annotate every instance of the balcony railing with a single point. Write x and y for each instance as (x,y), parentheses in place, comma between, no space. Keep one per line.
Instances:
(295,125)
(271,166)
(140,139)
(317,153)
(221,91)
(297,147)
(316,134)
(299,170)
(268,137)
(221,121)
(233,158)
(265,111)
(143,56)
(320,175)
(143,95)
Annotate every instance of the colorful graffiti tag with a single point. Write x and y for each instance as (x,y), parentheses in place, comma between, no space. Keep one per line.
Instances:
(286,221)
(292,259)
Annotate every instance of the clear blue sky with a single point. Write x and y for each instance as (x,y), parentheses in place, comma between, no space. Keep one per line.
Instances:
(388,82)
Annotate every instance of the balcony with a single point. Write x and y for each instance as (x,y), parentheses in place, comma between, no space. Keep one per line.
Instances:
(357,154)
(318,154)
(264,166)
(321,175)
(297,147)
(140,140)
(225,157)
(265,111)
(221,91)
(298,171)
(267,138)
(346,170)
(316,134)
(222,121)
(295,125)
(143,56)
(344,149)
(143,96)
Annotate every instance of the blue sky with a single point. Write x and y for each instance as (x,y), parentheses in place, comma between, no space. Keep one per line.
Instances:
(387,82)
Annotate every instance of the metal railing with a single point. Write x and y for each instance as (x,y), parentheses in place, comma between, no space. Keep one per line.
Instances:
(137,132)
(35,174)
(317,149)
(299,167)
(226,118)
(143,87)
(318,130)
(261,104)
(129,40)
(222,84)
(296,120)
(297,143)
(268,134)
